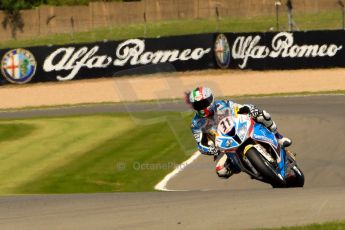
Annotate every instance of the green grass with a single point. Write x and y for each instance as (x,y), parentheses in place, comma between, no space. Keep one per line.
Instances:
(99,153)
(315,21)
(336,225)
(10,132)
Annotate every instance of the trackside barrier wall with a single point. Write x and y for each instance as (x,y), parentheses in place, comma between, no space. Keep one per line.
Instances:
(259,51)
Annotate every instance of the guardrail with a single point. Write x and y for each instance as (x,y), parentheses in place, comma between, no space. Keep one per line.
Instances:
(259,51)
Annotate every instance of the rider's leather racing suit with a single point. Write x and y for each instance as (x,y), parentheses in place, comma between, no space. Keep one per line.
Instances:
(202,127)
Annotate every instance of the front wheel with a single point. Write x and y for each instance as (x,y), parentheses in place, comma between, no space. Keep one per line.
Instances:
(265,168)
(297,180)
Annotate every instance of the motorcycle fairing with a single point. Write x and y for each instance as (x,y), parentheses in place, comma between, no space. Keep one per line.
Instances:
(230,142)
(227,143)
(245,128)
(262,134)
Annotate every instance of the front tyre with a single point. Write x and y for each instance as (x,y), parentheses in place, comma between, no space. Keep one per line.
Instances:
(297,180)
(265,168)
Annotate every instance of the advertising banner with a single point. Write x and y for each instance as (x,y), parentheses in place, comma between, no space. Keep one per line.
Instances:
(257,51)
(284,50)
(107,59)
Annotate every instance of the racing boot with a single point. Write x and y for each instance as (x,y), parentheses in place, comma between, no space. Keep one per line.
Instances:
(227,165)
(283,141)
(221,168)
(265,118)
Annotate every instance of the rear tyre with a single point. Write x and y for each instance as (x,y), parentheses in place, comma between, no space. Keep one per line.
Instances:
(265,168)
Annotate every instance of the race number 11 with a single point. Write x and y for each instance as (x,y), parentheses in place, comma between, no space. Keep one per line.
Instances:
(225,125)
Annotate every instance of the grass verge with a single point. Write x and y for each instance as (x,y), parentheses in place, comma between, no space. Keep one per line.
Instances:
(336,225)
(313,21)
(87,154)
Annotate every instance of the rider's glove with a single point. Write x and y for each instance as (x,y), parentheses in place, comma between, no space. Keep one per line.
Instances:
(255,112)
(213,151)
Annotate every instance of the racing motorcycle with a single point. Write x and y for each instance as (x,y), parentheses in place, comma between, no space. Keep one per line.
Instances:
(258,151)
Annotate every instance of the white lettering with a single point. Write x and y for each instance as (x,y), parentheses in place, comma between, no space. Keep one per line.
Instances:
(131,52)
(77,55)
(146,58)
(185,55)
(130,49)
(198,53)
(245,48)
(74,61)
(323,51)
(333,50)
(48,65)
(248,48)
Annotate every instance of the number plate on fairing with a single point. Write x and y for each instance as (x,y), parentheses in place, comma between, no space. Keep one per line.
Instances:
(225,125)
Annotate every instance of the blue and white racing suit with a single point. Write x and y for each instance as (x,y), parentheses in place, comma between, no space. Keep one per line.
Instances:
(201,127)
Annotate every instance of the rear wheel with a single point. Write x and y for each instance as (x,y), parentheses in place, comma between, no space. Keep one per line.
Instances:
(265,168)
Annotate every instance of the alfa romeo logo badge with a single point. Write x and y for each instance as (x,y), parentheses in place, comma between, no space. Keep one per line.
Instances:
(222,51)
(18,66)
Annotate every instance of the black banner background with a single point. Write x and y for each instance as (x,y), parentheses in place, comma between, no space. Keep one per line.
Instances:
(315,40)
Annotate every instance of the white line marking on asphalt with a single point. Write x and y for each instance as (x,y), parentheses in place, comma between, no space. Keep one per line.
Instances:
(161,186)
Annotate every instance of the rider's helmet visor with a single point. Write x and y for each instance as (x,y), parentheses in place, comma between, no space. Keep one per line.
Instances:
(202,104)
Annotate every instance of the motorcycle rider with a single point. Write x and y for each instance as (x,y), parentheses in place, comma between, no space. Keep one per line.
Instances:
(209,112)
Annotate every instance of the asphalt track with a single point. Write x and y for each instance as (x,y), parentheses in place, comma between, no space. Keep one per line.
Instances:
(315,123)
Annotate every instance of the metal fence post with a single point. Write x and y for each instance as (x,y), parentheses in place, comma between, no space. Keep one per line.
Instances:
(145,25)
(217,19)
(72,31)
(341,4)
(277,5)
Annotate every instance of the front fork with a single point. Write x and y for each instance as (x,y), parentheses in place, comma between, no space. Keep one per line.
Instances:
(290,162)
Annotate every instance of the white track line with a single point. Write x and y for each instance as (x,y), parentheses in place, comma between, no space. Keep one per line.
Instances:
(161,186)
